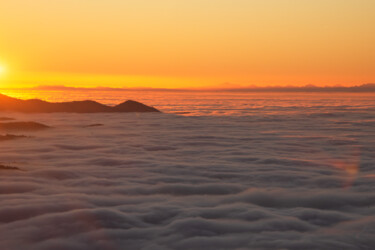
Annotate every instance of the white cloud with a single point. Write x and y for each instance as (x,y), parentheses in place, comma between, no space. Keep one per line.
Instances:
(159,181)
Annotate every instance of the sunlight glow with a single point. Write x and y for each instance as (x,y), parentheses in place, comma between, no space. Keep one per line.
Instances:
(188,43)
(2,70)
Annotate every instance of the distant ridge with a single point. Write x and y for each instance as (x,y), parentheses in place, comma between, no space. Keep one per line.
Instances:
(38,106)
(368,87)
(364,88)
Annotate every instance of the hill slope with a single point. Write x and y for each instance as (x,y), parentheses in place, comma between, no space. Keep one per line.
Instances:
(38,106)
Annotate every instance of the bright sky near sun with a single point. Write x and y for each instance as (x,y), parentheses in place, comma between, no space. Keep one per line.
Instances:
(187,43)
(2,70)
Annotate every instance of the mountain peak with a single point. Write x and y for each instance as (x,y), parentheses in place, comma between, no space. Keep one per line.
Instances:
(38,106)
(135,106)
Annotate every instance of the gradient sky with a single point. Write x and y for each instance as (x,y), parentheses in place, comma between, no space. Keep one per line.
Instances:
(186,43)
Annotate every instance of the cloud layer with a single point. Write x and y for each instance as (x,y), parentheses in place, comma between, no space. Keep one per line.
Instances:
(160,181)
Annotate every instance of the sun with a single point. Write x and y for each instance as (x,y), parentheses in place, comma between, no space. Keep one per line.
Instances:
(2,70)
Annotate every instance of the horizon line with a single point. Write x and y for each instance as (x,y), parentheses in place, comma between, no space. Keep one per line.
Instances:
(368,87)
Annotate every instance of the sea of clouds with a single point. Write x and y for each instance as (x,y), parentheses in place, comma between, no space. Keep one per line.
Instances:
(291,180)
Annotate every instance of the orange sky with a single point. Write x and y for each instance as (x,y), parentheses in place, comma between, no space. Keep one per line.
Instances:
(186,43)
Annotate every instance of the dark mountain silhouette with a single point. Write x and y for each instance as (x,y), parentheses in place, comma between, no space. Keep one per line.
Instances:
(4,167)
(22,126)
(9,137)
(38,106)
(93,125)
(6,119)
(133,106)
